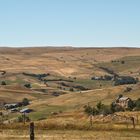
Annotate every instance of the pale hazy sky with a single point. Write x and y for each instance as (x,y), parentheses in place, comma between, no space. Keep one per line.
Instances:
(70,22)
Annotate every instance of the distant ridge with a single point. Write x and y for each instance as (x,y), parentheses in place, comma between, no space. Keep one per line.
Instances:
(85,47)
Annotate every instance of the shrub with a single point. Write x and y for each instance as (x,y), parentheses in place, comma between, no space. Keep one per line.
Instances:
(27,85)
(118,108)
(123,62)
(90,110)
(131,105)
(120,96)
(100,109)
(25,101)
(125,80)
(3,83)
(128,89)
(74,78)
(112,107)
(108,77)
(23,118)
(99,106)
(137,104)
(106,111)
(71,89)
(80,87)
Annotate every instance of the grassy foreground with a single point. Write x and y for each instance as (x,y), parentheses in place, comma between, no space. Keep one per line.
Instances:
(70,135)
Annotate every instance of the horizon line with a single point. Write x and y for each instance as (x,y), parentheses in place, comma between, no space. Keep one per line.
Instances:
(67,46)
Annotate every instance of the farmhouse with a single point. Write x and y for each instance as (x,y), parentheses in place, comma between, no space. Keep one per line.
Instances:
(124,102)
(105,77)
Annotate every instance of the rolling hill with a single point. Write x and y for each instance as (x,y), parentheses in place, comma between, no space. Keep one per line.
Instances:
(67,85)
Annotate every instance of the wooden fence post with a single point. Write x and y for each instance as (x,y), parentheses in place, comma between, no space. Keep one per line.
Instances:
(133,121)
(91,120)
(32,137)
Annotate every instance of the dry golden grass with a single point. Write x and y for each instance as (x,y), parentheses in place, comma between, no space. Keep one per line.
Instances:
(65,62)
(100,134)
(78,99)
(15,94)
(70,135)
(62,61)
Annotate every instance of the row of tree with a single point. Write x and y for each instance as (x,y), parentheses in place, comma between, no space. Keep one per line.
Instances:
(100,108)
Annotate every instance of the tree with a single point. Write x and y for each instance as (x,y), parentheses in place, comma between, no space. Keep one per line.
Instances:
(74,78)
(128,89)
(28,85)
(120,96)
(119,108)
(25,101)
(112,107)
(106,110)
(123,62)
(100,106)
(137,104)
(71,89)
(122,80)
(23,118)
(131,105)
(3,83)
(90,110)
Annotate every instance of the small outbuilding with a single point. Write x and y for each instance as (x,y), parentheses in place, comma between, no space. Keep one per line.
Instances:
(10,106)
(26,110)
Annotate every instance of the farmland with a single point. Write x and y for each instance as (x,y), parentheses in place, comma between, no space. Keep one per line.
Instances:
(58,84)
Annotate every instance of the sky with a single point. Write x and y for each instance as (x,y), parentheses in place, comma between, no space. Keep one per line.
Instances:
(78,23)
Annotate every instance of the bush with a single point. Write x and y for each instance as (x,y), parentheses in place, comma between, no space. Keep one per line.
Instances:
(71,89)
(27,85)
(25,101)
(137,104)
(55,93)
(118,109)
(80,87)
(99,106)
(90,110)
(100,109)
(112,107)
(131,105)
(3,83)
(123,62)
(74,78)
(106,111)
(108,77)
(125,80)
(128,89)
(23,118)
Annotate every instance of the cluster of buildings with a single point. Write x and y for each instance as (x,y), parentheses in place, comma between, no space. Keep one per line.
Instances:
(15,107)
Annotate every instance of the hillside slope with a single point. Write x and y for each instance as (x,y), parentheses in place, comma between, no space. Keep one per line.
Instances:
(60,78)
